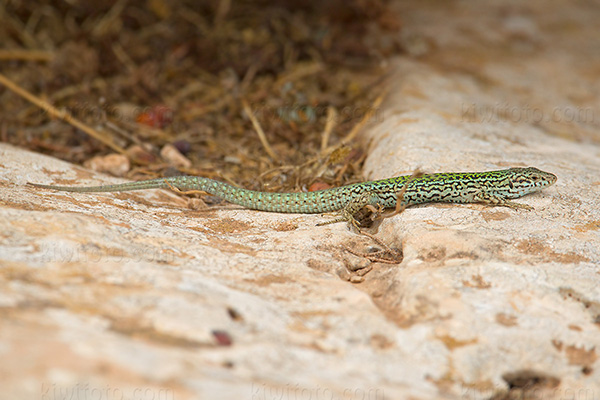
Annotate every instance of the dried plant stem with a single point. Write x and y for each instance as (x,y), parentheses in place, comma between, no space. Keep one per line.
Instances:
(329,125)
(60,114)
(259,130)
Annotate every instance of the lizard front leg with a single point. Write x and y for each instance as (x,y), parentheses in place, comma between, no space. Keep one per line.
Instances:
(498,201)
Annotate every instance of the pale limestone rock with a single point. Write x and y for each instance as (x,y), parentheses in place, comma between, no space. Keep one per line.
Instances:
(170,154)
(134,291)
(114,164)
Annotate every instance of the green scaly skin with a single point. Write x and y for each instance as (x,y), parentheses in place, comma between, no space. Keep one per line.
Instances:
(494,188)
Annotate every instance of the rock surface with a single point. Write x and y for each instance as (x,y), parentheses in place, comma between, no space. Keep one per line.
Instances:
(134,295)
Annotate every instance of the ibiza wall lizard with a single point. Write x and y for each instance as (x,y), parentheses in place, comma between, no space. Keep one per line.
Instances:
(494,188)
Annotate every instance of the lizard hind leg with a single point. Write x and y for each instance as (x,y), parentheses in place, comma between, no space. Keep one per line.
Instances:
(367,209)
(375,214)
(348,213)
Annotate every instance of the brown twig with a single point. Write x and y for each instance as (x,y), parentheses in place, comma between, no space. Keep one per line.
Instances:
(356,129)
(395,256)
(259,130)
(26,55)
(329,125)
(62,115)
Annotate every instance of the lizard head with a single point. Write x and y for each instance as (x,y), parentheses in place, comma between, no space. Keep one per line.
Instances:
(522,181)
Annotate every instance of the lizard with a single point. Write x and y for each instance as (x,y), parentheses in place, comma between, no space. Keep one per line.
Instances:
(493,188)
